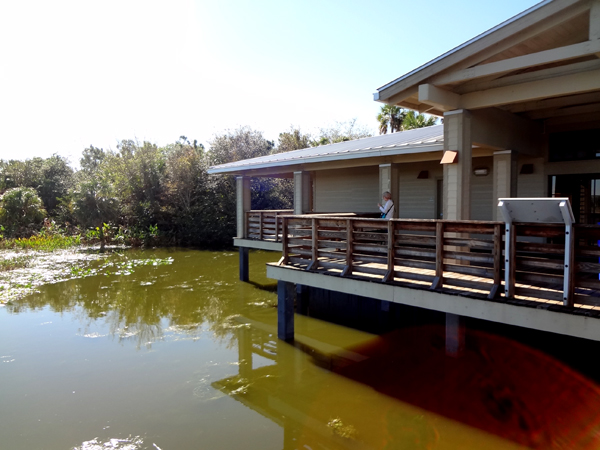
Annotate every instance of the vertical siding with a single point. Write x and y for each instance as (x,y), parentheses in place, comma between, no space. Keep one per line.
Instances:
(347,190)
(417,197)
(482,191)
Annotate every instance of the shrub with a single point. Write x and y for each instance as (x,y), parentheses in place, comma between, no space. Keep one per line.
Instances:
(21,211)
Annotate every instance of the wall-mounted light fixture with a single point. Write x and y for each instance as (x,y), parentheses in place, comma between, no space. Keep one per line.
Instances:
(423,175)
(450,157)
(481,171)
(526,169)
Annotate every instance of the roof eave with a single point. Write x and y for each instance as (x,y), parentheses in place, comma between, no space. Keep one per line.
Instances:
(413,78)
(378,152)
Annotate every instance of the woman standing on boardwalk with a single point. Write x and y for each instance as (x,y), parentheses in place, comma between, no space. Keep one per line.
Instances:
(387,209)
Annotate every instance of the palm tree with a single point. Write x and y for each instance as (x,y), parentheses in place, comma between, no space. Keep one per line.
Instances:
(390,117)
(414,120)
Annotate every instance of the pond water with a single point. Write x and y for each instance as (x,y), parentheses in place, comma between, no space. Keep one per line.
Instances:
(166,349)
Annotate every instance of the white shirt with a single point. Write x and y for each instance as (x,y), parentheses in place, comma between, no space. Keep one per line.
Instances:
(389,207)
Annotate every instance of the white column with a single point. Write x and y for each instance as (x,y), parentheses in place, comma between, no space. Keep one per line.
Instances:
(302,193)
(457,176)
(389,181)
(505,178)
(242,187)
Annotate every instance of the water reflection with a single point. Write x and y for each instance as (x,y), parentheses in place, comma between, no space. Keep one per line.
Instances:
(216,376)
(137,304)
(402,390)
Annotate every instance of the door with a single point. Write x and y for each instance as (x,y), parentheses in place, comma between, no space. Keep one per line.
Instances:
(583,191)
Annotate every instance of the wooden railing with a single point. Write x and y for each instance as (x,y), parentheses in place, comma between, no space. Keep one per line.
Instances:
(540,266)
(265,225)
(457,256)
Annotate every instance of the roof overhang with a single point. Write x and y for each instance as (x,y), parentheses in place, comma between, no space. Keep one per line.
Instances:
(549,52)
(329,158)
(411,142)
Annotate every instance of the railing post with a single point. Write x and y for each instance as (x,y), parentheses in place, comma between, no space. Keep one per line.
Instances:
(349,247)
(276,227)
(284,243)
(510,260)
(389,276)
(314,264)
(247,225)
(569,272)
(260,225)
(438,281)
(497,262)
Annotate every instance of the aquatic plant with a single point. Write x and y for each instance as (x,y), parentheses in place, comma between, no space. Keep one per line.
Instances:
(119,267)
(17,262)
(41,242)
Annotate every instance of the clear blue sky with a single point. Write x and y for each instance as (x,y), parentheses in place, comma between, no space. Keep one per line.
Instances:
(79,73)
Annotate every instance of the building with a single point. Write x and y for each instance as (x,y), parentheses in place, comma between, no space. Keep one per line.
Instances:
(521,118)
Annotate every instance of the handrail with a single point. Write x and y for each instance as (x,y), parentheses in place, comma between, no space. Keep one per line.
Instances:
(445,255)
(265,225)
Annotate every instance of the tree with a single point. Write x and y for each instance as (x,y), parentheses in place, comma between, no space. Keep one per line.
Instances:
(340,132)
(390,118)
(56,182)
(292,140)
(243,143)
(15,173)
(413,120)
(21,211)
(185,191)
(137,174)
(95,199)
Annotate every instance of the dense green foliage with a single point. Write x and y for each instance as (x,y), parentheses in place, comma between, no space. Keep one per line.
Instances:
(393,118)
(21,211)
(142,193)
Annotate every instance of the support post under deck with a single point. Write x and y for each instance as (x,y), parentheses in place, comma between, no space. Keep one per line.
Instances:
(244,271)
(285,310)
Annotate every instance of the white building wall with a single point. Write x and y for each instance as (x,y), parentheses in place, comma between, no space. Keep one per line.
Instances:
(347,190)
(417,197)
(482,189)
(532,184)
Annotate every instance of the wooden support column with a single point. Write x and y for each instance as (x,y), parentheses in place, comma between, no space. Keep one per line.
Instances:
(285,310)
(455,334)
(389,181)
(302,193)
(244,269)
(242,185)
(505,177)
(457,176)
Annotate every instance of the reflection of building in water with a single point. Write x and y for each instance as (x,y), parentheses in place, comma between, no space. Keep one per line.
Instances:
(403,390)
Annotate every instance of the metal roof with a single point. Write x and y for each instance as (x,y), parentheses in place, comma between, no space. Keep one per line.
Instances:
(463,45)
(419,140)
